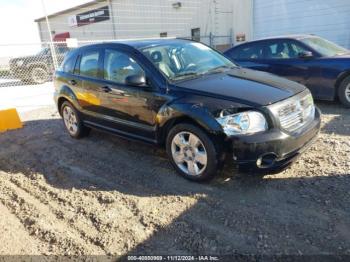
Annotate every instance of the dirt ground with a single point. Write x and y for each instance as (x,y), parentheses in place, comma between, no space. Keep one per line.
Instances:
(105,195)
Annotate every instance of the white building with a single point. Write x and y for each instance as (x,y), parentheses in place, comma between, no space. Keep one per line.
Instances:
(329,19)
(226,21)
(216,22)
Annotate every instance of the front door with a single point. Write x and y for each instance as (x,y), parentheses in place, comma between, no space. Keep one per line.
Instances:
(285,60)
(131,109)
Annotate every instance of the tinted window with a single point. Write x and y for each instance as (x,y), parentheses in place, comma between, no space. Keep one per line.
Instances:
(283,49)
(89,64)
(68,64)
(296,49)
(62,50)
(253,51)
(118,66)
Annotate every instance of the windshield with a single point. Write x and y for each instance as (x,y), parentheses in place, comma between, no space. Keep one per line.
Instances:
(186,60)
(43,52)
(324,47)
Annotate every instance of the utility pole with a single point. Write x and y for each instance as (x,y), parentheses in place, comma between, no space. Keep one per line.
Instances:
(111,11)
(52,47)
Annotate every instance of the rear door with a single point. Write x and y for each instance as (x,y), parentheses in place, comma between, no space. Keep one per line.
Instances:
(89,85)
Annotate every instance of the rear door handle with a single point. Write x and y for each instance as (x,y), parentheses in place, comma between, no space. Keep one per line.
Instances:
(72,82)
(106,89)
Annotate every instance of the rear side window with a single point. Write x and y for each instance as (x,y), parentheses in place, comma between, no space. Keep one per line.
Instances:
(89,64)
(68,64)
(247,52)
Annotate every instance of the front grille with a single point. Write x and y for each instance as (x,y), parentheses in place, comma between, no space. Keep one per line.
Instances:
(295,112)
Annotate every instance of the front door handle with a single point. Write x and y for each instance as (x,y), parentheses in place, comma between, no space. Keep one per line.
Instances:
(106,89)
(72,82)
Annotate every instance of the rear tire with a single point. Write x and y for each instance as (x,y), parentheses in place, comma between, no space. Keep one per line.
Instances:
(192,152)
(344,92)
(72,121)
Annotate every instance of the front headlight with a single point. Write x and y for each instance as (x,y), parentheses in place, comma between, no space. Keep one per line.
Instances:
(244,123)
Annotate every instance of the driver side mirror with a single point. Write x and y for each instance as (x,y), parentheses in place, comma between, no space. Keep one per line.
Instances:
(136,80)
(306,54)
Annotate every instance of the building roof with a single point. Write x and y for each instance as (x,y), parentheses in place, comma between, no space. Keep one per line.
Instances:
(70,9)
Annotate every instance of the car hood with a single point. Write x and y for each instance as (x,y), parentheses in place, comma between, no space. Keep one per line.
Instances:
(246,86)
(26,58)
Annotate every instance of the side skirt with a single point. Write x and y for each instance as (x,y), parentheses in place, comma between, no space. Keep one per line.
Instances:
(119,133)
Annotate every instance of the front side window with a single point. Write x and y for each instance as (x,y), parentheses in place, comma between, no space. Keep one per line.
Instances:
(89,64)
(324,47)
(277,50)
(284,49)
(181,60)
(118,66)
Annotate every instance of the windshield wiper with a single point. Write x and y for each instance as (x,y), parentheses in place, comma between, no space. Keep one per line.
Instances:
(195,74)
(184,74)
(217,69)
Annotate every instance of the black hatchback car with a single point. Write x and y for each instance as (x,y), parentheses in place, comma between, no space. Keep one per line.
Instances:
(189,98)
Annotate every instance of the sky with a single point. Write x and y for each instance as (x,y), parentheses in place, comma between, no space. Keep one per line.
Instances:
(17,24)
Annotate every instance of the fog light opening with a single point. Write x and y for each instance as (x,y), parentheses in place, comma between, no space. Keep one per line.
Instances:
(266,160)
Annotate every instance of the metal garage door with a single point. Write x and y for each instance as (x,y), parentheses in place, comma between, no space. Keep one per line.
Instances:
(329,19)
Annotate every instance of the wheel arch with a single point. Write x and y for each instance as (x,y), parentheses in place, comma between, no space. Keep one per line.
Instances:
(183,113)
(339,80)
(66,94)
(40,65)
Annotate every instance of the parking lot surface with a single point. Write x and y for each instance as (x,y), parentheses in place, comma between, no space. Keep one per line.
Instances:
(105,195)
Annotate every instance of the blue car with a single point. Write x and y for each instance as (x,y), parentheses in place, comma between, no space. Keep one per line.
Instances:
(321,65)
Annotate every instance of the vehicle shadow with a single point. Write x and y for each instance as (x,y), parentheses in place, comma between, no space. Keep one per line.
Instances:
(233,214)
(336,118)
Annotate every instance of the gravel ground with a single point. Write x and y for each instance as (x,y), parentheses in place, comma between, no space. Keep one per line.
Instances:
(105,195)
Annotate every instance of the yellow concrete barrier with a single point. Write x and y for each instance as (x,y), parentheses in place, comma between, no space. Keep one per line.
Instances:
(9,119)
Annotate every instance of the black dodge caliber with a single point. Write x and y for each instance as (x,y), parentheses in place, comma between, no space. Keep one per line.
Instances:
(189,98)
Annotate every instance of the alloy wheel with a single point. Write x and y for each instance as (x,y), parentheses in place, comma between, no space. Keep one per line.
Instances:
(347,92)
(70,120)
(39,75)
(189,153)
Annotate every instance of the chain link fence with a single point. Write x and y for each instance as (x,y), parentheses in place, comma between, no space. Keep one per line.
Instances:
(34,64)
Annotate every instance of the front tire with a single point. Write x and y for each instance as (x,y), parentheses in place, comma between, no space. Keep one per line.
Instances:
(192,152)
(72,121)
(344,92)
(39,75)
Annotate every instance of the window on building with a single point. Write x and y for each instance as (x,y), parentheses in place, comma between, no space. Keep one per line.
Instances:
(164,34)
(89,64)
(196,34)
(118,66)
